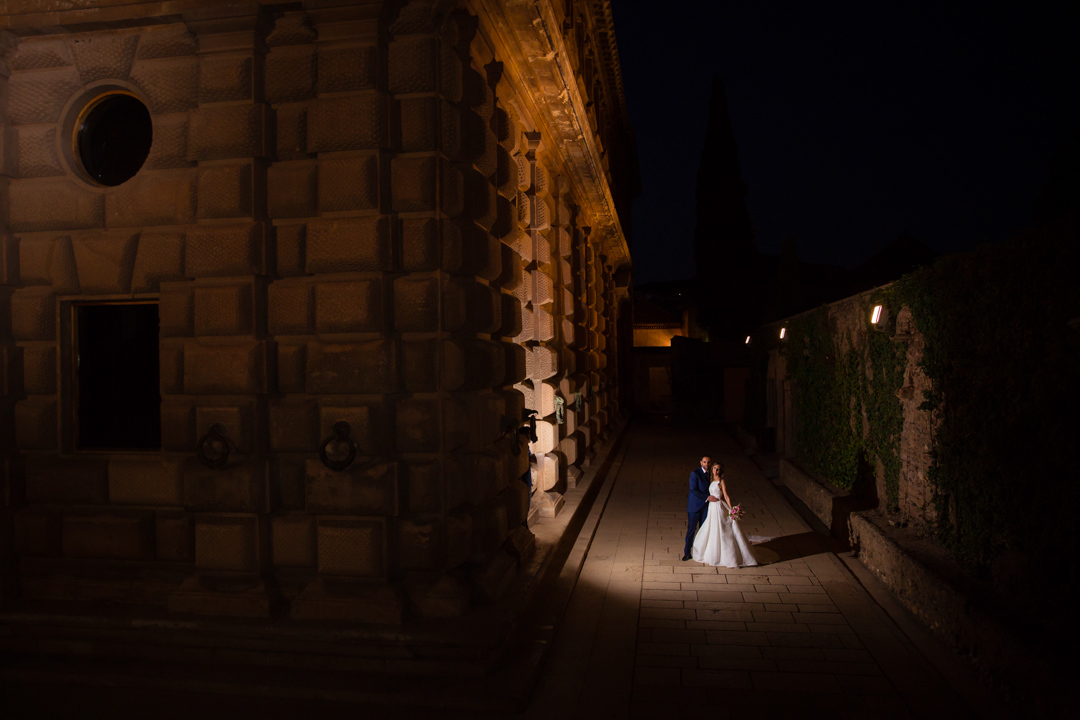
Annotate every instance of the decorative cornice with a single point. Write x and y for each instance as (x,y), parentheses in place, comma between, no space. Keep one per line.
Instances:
(525,36)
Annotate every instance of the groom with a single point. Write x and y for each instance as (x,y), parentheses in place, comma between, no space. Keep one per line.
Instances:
(697,506)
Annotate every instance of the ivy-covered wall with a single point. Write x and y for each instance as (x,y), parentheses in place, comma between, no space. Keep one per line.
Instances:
(976,367)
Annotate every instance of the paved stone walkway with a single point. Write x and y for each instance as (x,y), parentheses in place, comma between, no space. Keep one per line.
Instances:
(646,635)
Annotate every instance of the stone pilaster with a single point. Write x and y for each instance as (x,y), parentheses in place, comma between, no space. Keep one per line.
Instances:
(228,358)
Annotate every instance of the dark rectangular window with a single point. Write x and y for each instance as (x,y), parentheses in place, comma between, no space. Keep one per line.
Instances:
(118,401)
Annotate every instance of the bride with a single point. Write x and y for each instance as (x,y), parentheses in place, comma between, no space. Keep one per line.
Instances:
(719,541)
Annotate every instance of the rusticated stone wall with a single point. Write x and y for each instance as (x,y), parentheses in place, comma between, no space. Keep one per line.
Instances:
(850,327)
(347,214)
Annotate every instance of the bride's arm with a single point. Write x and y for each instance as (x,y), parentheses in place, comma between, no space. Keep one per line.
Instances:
(723,489)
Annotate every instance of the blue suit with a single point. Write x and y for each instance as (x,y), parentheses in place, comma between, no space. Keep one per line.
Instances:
(697,505)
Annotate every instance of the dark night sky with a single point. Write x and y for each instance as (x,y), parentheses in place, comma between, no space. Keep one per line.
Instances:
(854,122)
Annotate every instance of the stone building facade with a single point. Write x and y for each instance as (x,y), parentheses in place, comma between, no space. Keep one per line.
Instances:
(383,244)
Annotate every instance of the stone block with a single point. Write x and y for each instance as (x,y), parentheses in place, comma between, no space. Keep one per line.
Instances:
(169,85)
(166,41)
(344,69)
(287,476)
(420,240)
(39,96)
(348,244)
(225,191)
(459,539)
(39,368)
(422,544)
(425,183)
(480,199)
(11,374)
(145,481)
(352,368)
(37,156)
(291,242)
(416,303)
(239,488)
(355,122)
(109,537)
(232,369)
(58,481)
(453,365)
(547,434)
(225,250)
(367,490)
(547,471)
(221,132)
(349,306)
(103,56)
(48,261)
(38,54)
(159,257)
(36,423)
(176,309)
(174,537)
(424,65)
(515,498)
(419,122)
(418,426)
(292,367)
(169,149)
(292,189)
(348,183)
(225,78)
(105,261)
(436,595)
(485,364)
(37,533)
(290,74)
(159,197)
(481,255)
(177,425)
(228,543)
(425,486)
(352,600)
(369,424)
(484,307)
(171,361)
(492,578)
(455,305)
(241,422)
(224,309)
(420,365)
(542,363)
(291,307)
(353,547)
(293,540)
(294,425)
(292,131)
(70,206)
(571,448)
(511,316)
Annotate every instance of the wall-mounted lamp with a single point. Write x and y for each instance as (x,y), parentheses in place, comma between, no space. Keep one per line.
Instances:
(875,318)
(747,339)
(783,332)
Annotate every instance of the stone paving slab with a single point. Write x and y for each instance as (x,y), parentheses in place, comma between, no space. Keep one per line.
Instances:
(648,635)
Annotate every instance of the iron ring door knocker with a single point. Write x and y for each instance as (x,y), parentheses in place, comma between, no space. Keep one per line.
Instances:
(214,447)
(343,450)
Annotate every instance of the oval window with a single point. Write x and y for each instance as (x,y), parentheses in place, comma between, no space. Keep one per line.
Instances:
(112,137)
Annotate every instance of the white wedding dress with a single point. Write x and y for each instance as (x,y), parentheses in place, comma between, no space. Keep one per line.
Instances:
(719,541)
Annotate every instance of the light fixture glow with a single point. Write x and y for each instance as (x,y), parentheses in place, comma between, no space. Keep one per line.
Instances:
(877,315)
(747,339)
(783,331)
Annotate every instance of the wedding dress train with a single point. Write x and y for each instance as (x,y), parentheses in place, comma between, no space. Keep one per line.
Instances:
(720,541)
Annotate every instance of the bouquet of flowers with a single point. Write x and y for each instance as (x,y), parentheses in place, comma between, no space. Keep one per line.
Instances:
(737,512)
